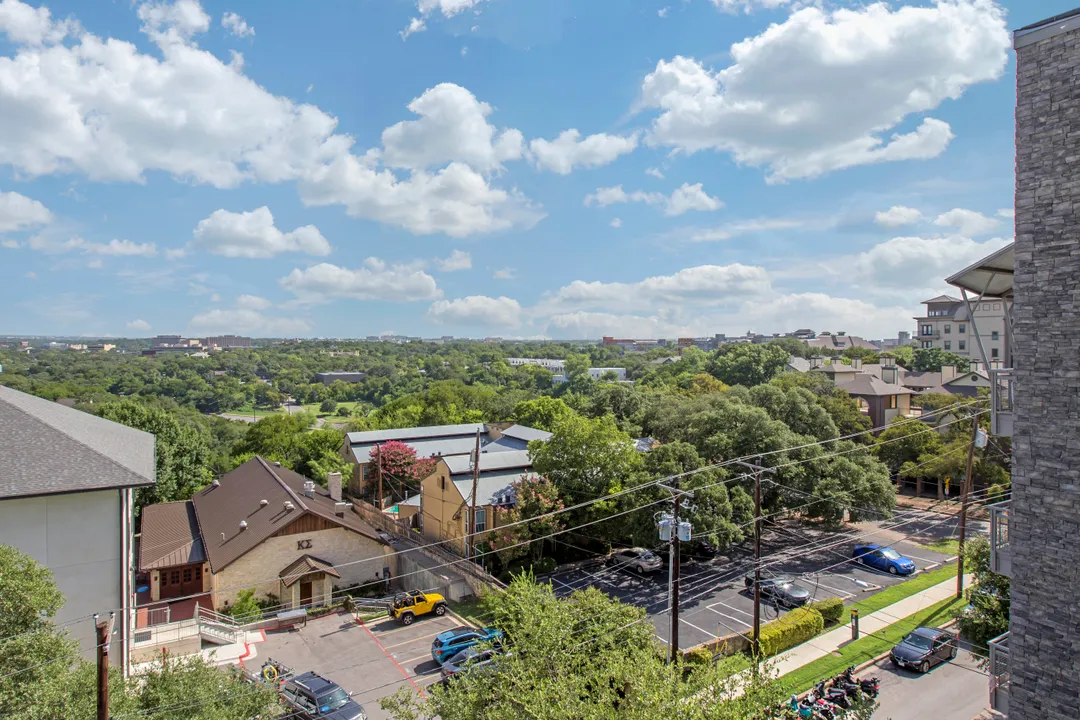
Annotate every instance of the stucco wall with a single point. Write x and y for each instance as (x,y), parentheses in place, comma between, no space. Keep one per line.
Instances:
(259,568)
(441,501)
(77,536)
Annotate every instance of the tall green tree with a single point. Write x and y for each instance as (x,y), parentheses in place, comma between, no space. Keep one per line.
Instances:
(906,441)
(748,364)
(542,413)
(931,359)
(987,614)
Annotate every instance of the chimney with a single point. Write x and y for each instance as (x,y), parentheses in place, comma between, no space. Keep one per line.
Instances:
(815,361)
(309,488)
(888,360)
(889,374)
(995,364)
(856,363)
(948,372)
(333,481)
(975,366)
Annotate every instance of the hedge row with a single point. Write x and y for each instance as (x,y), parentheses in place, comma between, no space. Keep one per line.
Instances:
(831,609)
(796,627)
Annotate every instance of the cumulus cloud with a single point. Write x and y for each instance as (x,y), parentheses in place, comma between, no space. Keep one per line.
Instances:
(570,150)
(918,262)
(897,216)
(375,280)
(682,199)
(49,244)
(822,90)
(967,222)
(246,322)
(253,302)
(448,8)
(458,260)
(1006,213)
(18,212)
(236,25)
(138,325)
(737,228)
(253,235)
(616,223)
(749,5)
(504,274)
(183,17)
(477,310)
(655,172)
(582,325)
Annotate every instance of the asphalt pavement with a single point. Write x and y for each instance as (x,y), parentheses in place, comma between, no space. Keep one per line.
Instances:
(955,690)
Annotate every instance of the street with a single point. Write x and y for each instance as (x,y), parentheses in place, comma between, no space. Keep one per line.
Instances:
(956,690)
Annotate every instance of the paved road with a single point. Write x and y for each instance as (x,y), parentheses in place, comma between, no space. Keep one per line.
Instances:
(956,690)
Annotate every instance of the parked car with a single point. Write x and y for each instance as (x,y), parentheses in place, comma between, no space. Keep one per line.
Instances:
(639,559)
(923,648)
(883,558)
(448,644)
(310,696)
(782,591)
(406,607)
(471,659)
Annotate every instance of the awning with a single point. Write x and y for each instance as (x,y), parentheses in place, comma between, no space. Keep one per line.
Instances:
(993,274)
(306,565)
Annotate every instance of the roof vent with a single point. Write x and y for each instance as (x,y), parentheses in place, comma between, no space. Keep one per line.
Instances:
(243,524)
(289,507)
(277,464)
(222,537)
(309,488)
(264,502)
(216,483)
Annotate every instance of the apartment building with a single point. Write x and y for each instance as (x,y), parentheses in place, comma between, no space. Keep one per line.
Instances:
(554,366)
(947,324)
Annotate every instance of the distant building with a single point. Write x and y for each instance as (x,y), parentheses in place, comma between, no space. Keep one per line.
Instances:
(227,341)
(946,324)
(633,345)
(100,347)
(326,378)
(840,341)
(551,365)
(595,374)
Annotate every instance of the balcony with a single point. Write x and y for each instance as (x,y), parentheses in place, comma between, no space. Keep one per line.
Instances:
(1002,408)
(999,674)
(1000,554)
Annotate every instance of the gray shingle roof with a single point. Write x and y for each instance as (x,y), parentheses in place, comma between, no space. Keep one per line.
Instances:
(406,434)
(47,448)
(866,385)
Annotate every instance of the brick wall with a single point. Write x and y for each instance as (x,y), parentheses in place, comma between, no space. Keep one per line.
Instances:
(1044,643)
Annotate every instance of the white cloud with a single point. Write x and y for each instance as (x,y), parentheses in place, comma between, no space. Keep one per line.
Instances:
(822,90)
(253,235)
(246,322)
(897,216)
(749,5)
(374,281)
(95,264)
(616,223)
(570,150)
(253,302)
(917,262)
(663,12)
(139,325)
(175,253)
(448,8)
(452,126)
(655,172)
(29,25)
(582,325)
(741,227)
(10,244)
(236,25)
(214,297)
(18,212)
(967,222)
(458,260)
(1007,213)
(477,310)
(464,50)
(683,198)
(415,25)
(504,274)
(30,275)
(183,17)
(49,244)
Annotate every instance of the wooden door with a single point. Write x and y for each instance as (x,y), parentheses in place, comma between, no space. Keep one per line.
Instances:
(305,592)
(170,583)
(191,580)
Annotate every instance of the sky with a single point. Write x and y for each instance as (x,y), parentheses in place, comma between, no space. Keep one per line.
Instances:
(511,168)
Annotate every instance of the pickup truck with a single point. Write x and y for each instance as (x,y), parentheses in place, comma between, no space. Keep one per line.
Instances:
(408,606)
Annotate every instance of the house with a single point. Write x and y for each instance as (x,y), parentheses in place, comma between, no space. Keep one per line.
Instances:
(837,371)
(882,401)
(327,378)
(261,527)
(797,364)
(433,441)
(840,341)
(441,507)
(66,500)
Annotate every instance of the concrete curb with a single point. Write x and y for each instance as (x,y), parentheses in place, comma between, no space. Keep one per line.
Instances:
(883,656)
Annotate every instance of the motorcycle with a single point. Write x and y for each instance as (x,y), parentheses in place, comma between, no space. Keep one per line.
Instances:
(821,706)
(869,685)
(800,707)
(835,696)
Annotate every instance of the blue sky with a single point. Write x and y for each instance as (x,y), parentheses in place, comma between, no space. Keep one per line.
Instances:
(514,168)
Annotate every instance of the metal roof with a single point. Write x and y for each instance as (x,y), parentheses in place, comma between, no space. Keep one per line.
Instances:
(528,434)
(1047,28)
(490,484)
(489,462)
(993,274)
(305,565)
(47,448)
(170,536)
(942,299)
(417,433)
(430,447)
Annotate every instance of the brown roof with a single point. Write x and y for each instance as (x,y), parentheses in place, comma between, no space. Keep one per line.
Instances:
(237,497)
(170,536)
(305,565)
(866,385)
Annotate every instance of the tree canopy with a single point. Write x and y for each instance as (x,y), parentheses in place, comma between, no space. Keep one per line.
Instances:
(747,363)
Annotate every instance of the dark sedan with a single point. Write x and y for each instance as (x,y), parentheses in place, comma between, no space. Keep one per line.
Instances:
(923,648)
(782,591)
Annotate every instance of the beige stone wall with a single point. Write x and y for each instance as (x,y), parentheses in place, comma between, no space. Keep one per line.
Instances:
(259,568)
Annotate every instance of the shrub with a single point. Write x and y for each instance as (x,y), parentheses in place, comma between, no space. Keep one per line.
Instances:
(698,656)
(245,608)
(544,565)
(796,627)
(831,609)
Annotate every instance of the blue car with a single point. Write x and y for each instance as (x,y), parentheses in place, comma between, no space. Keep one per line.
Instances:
(448,644)
(883,558)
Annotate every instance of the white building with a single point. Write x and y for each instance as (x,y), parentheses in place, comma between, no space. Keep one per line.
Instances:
(555,367)
(947,324)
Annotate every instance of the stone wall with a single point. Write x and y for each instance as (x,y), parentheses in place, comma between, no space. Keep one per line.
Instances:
(1044,643)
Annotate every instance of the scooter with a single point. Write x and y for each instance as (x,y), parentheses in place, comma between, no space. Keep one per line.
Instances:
(800,708)
(834,695)
(821,706)
(869,685)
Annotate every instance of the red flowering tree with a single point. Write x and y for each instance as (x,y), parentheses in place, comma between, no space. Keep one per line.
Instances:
(535,496)
(400,464)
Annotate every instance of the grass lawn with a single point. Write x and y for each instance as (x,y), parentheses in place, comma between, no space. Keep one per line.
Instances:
(250,411)
(313,408)
(870,646)
(471,610)
(898,592)
(948,546)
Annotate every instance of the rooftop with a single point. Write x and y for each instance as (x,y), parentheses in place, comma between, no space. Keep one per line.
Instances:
(174,536)
(992,276)
(865,385)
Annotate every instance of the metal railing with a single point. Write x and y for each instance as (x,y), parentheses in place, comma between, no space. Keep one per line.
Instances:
(1001,401)
(999,673)
(1000,554)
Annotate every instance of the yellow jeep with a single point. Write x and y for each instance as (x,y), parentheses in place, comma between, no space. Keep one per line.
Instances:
(406,607)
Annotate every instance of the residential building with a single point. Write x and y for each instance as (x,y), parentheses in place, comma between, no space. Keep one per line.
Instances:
(633,345)
(554,366)
(66,500)
(947,324)
(837,371)
(883,402)
(327,378)
(840,341)
(227,342)
(596,374)
(100,347)
(433,441)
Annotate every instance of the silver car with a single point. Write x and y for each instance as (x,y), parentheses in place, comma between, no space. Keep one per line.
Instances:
(637,559)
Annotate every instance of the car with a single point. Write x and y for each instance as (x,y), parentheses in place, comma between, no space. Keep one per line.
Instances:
(782,591)
(638,559)
(924,647)
(310,696)
(450,643)
(470,659)
(406,607)
(883,558)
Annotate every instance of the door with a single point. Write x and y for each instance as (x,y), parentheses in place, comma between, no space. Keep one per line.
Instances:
(191,580)
(878,561)
(170,583)
(305,592)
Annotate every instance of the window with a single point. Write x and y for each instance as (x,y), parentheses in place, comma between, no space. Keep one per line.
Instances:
(995,335)
(890,402)
(948,344)
(187,575)
(442,483)
(927,330)
(948,329)
(479,520)
(993,352)
(174,577)
(962,329)
(927,344)
(997,306)
(963,344)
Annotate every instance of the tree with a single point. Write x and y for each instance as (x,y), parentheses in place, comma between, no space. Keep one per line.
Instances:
(931,359)
(987,614)
(534,496)
(867,355)
(267,397)
(288,439)
(328,406)
(577,366)
(543,413)
(748,364)
(400,466)
(905,441)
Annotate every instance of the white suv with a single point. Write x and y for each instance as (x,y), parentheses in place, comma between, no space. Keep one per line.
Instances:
(639,559)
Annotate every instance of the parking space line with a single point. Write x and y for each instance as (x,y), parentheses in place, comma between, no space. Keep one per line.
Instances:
(683,620)
(729,617)
(425,656)
(833,589)
(384,633)
(730,607)
(406,642)
(391,658)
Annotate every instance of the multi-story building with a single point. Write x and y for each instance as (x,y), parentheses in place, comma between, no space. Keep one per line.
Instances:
(347,376)
(227,341)
(947,324)
(100,347)
(555,367)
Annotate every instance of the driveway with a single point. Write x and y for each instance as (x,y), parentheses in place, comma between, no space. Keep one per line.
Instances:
(956,690)
(371,661)
(714,601)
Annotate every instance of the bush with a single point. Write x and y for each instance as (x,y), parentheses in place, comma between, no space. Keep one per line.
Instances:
(246,609)
(698,656)
(328,406)
(796,627)
(544,565)
(831,609)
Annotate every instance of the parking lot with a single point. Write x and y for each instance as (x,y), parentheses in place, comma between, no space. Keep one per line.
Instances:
(714,600)
(371,661)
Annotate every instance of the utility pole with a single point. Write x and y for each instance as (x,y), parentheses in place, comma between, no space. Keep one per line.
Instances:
(471,515)
(104,633)
(378,471)
(964,505)
(676,529)
(756,469)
